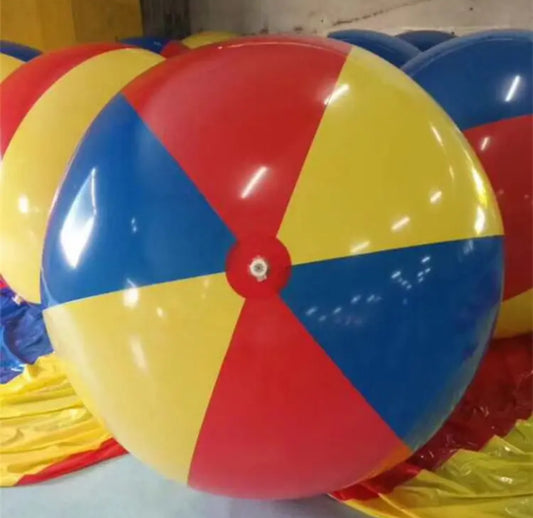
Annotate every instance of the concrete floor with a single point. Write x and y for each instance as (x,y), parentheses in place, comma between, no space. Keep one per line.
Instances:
(125,488)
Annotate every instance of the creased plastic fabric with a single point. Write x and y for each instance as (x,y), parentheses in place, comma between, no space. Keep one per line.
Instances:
(480,463)
(23,337)
(45,430)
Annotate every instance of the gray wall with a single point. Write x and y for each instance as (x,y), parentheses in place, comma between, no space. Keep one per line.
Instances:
(321,16)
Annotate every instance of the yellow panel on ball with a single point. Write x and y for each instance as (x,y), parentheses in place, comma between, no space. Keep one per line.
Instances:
(192,371)
(421,208)
(12,56)
(203,38)
(516,316)
(8,65)
(68,94)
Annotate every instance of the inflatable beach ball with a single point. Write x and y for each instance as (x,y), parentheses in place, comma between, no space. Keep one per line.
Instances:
(392,49)
(13,55)
(165,46)
(485,83)
(47,105)
(282,285)
(202,38)
(425,39)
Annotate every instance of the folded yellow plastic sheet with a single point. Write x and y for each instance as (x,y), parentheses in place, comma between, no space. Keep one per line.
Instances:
(495,482)
(480,464)
(45,430)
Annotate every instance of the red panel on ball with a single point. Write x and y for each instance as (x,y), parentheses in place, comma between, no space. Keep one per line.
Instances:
(283,378)
(174,48)
(506,151)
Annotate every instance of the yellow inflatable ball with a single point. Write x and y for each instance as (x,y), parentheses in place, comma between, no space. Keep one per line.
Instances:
(47,106)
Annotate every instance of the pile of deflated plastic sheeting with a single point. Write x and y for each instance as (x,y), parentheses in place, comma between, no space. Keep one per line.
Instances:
(45,430)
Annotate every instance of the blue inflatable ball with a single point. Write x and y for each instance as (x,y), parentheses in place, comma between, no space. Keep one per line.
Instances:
(392,49)
(424,40)
(471,76)
(18,51)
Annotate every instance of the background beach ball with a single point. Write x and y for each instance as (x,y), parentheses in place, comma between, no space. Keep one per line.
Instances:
(425,39)
(485,83)
(200,39)
(47,105)
(13,55)
(282,285)
(167,47)
(394,50)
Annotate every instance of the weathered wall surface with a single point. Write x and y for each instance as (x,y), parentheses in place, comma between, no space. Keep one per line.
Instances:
(52,24)
(322,16)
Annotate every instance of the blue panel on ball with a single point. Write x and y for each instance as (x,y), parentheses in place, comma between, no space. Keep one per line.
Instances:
(127,215)
(398,331)
(145,42)
(479,79)
(17,51)
(392,49)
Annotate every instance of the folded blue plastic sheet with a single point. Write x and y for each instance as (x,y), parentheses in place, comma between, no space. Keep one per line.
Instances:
(23,337)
